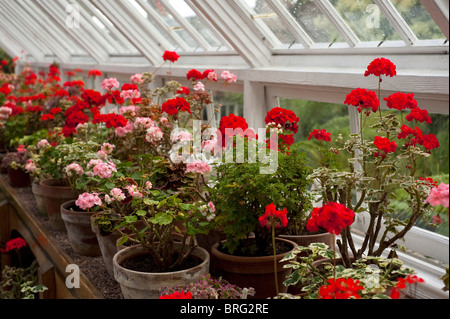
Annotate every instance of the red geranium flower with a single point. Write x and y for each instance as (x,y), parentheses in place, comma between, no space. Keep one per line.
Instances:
(233,125)
(363,99)
(173,106)
(287,139)
(206,73)
(402,284)
(428,181)
(55,110)
(183,90)
(286,118)
(35,108)
(47,117)
(341,288)
(429,141)
(15,243)
(94,73)
(194,75)
(4,62)
(384,145)
(110,120)
(419,115)
(275,217)
(170,56)
(333,217)
(178,295)
(401,101)
(381,66)
(406,131)
(74,83)
(321,135)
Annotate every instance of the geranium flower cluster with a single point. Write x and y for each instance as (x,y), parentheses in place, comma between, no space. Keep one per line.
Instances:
(177,295)
(334,217)
(341,288)
(285,121)
(86,201)
(273,217)
(173,106)
(384,145)
(321,135)
(402,283)
(198,167)
(233,125)
(439,195)
(208,211)
(14,244)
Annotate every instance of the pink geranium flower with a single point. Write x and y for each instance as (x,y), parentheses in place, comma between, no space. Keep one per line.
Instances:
(109,84)
(438,195)
(198,167)
(86,201)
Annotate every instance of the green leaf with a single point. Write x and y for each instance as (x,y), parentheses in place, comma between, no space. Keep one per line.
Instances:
(150,202)
(162,219)
(293,279)
(122,240)
(141,212)
(131,219)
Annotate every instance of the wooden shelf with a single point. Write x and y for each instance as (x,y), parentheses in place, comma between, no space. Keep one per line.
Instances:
(52,259)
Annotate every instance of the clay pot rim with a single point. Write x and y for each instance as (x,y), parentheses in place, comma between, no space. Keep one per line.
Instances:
(304,235)
(69,203)
(46,183)
(242,259)
(141,250)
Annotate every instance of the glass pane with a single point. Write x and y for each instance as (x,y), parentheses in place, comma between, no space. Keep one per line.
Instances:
(366,20)
(122,44)
(418,19)
(313,21)
(263,11)
(226,103)
(186,12)
(317,115)
(163,31)
(173,24)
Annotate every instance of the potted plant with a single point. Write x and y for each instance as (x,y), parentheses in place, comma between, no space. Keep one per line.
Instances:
(161,195)
(208,288)
(14,163)
(318,276)
(242,192)
(378,166)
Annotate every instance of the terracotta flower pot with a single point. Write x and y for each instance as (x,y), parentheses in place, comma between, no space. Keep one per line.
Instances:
(146,285)
(306,240)
(78,224)
(256,272)
(55,193)
(37,192)
(18,178)
(107,244)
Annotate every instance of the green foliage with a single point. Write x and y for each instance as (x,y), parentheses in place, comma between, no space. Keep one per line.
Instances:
(241,194)
(211,288)
(20,283)
(312,266)
(155,221)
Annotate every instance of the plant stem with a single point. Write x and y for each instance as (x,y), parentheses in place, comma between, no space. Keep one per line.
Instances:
(275,258)
(334,256)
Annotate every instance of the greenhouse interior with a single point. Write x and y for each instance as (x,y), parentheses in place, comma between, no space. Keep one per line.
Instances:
(224,149)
